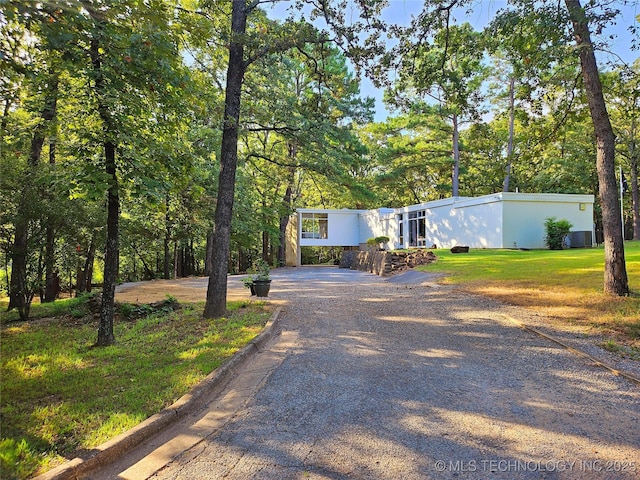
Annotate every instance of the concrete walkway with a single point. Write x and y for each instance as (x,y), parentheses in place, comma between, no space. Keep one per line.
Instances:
(370,378)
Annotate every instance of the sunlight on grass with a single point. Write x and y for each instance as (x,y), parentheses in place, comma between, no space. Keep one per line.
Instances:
(60,394)
(565,284)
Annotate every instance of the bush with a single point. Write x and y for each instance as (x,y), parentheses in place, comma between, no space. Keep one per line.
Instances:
(377,242)
(557,231)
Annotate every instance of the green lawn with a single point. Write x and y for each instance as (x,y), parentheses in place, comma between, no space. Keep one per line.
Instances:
(564,284)
(61,395)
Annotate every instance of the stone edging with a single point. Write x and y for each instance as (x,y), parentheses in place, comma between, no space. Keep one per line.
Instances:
(118,446)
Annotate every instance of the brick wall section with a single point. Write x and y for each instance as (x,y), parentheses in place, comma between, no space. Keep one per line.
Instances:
(377,262)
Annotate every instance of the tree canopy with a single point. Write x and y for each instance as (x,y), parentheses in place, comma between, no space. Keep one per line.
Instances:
(154,139)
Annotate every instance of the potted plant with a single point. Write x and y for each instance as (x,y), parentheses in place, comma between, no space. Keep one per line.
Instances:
(261,280)
(248,283)
(258,280)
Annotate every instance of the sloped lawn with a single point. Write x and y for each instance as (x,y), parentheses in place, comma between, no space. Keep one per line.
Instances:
(564,284)
(61,395)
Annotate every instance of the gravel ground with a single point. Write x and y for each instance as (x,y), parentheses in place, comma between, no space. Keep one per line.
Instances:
(393,379)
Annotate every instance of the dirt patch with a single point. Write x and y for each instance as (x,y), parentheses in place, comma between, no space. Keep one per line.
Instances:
(192,289)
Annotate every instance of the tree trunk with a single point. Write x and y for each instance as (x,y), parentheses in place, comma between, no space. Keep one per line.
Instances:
(216,303)
(635,194)
(287,203)
(634,154)
(615,272)
(111,259)
(265,233)
(52,282)
(456,157)
(512,115)
(20,294)
(166,265)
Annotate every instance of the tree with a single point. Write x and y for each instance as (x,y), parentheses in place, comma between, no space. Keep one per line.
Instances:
(216,304)
(615,273)
(285,37)
(449,71)
(622,91)
(36,66)
(410,157)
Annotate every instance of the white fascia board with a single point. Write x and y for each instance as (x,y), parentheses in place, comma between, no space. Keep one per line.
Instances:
(330,210)
(547,197)
(432,204)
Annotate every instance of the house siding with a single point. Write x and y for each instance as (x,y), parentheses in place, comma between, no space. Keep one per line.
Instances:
(500,220)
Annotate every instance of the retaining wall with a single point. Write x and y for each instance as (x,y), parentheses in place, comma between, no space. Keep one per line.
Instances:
(378,262)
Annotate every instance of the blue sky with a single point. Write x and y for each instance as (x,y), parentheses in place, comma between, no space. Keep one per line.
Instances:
(481,12)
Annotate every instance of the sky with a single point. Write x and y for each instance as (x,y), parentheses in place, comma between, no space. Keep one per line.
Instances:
(482,11)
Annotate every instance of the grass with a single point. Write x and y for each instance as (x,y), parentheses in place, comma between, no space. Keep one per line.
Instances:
(566,285)
(62,396)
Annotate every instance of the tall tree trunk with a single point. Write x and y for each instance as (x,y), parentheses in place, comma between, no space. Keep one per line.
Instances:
(216,303)
(456,157)
(512,115)
(265,233)
(111,258)
(615,272)
(634,156)
(112,251)
(52,282)
(20,295)
(635,194)
(166,265)
(287,201)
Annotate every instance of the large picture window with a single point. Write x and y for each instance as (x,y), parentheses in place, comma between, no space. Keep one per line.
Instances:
(315,225)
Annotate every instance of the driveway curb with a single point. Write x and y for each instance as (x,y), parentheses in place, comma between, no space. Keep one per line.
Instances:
(185,405)
(576,351)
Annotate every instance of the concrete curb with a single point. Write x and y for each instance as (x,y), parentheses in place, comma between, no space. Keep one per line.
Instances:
(109,451)
(575,351)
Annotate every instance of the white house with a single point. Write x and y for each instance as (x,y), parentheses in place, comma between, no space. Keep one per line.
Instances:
(499,220)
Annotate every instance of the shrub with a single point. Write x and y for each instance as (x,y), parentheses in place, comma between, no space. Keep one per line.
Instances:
(377,242)
(557,231)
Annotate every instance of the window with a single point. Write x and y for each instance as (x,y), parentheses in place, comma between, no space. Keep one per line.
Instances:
(417,229)
(315,225)
(401,230)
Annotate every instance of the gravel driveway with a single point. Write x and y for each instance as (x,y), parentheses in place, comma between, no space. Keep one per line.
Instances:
(391,380)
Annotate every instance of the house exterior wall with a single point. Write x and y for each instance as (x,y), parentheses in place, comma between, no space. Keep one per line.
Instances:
(525,214)
(478,223)
(500,220)
(342,228)
(292,243)
(377,223)
(475,222)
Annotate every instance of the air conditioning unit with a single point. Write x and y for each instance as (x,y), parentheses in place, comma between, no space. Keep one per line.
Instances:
(581,239)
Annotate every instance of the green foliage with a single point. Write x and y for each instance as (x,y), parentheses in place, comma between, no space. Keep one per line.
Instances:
(556,232)
(261,268)
(377,242)
(320,255)
(77,305)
